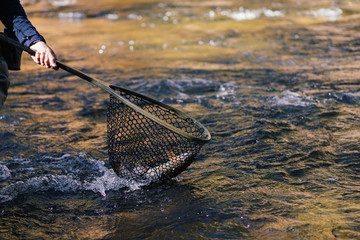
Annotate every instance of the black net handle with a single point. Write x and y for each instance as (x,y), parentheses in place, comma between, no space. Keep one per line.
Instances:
(107,88)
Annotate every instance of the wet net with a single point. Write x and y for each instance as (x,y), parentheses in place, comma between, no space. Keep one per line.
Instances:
(154,144)
(147,139)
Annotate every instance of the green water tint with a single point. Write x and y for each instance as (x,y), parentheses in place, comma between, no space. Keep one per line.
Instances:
(280,96)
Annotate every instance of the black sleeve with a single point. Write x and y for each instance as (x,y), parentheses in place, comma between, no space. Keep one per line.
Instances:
(14,18)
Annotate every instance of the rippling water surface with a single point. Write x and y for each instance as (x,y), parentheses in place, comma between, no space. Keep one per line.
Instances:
(276,83)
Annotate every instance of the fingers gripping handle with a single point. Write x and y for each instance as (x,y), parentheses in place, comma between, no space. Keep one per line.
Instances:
(78,73)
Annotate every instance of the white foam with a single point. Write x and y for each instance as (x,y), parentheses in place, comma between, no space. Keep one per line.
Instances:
(71,15)
(78,173)
(289,98)
(332,13)
(111,16)
(109,181)
(62,2)
(4,172)
(63,183)
(250,14)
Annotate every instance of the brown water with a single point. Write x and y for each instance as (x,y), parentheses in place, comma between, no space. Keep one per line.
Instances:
(276,83)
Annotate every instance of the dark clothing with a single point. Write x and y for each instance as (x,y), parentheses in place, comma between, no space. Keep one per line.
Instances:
(13,16)
(4,80)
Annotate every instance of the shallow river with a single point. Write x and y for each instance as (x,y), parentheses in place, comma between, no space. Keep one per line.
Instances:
(276,83)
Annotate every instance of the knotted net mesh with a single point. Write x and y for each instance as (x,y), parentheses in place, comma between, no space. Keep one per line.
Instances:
(142,148)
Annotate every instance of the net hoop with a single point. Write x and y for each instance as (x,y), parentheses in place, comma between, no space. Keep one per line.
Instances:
(207,135)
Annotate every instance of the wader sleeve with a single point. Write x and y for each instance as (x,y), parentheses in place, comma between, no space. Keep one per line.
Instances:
(14,18)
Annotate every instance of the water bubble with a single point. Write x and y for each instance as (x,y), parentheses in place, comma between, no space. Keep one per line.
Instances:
(102,49)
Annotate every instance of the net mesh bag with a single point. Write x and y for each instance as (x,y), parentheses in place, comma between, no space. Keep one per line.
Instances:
(143,147)
(147,139)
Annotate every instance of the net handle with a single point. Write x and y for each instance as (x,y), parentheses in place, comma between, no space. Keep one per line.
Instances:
(107,87)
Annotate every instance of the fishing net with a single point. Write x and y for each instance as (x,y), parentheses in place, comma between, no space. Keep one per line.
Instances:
(156,144)
(147,139)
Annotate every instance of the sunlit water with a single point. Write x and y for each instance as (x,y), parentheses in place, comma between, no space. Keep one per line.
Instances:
(276,83)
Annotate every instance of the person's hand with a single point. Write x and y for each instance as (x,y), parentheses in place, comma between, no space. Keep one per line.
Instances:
(44,55)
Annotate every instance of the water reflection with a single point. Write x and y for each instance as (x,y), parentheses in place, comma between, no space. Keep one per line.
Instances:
(275,82)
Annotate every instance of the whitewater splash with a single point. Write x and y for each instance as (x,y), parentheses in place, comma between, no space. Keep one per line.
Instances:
(289,98)
(250,14)
(78,174)
(332,13)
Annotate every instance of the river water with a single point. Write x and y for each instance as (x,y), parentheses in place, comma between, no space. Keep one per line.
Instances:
(275,82)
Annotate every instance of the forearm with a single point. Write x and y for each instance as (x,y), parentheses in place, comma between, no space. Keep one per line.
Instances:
(14,18)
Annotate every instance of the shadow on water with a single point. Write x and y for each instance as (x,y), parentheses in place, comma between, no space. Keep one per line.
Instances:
(275,83)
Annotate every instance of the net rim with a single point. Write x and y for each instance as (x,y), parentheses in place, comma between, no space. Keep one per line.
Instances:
(158,120)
